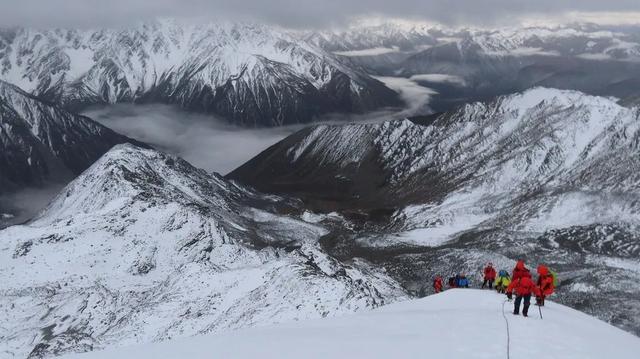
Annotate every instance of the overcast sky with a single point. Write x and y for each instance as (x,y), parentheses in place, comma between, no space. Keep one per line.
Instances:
(313,13)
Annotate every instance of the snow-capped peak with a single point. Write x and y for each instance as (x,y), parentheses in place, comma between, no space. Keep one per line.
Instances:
(141,235)
(130,173)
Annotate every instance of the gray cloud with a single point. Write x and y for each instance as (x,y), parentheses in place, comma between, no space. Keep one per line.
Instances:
(203,140)
(297,13)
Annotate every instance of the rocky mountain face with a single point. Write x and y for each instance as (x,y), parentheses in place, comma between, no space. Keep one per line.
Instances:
(143,247)
(546,175)
(253,75)
(41,142)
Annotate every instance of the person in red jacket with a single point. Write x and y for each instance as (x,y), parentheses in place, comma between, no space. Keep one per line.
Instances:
(544,283)
(524,287)
(489,276)
(519,271)
(437,284)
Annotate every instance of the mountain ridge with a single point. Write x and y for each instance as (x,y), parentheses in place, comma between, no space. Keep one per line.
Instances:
(141,235)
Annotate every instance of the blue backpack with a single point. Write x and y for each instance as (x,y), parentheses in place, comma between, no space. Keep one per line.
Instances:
(503,273)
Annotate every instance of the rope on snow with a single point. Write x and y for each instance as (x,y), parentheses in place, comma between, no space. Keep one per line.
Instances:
(508,335)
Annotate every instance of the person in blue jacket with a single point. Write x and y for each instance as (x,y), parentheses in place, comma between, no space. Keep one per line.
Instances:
(463,282)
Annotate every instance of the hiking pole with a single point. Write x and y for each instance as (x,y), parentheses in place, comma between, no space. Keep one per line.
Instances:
(540,310)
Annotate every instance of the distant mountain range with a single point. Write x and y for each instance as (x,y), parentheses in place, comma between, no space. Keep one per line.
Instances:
(476,64)
(252,75)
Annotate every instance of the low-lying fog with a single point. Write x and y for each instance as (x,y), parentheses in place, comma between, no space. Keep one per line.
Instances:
(205,141)
(211,143)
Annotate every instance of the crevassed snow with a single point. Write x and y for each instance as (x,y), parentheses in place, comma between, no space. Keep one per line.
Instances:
(457,323)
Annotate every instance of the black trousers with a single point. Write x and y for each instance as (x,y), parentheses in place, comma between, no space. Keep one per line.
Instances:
(490,281)
(525,308)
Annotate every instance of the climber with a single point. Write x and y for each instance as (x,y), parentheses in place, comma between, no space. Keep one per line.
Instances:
(519,271)
(544,283)
(524,287)
(489,276)
(437,284)
(463,282)
(503,281)
(453,281)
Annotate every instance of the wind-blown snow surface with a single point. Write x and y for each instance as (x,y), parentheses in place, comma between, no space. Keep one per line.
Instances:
(254,75)
(144,247)
(454,324)
(548,175)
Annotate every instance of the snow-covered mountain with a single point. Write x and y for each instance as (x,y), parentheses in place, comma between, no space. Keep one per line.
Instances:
(455,324)
(385,37)
(549,175)
(143,247)
(581,40)
(471,64)
(251,74)
(40,142)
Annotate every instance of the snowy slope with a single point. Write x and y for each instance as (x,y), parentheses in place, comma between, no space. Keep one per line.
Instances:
(548,175)
(143,247)
(454,324)
(40,142)
(252,74)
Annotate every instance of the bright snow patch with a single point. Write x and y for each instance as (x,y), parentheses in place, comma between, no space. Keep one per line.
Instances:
(455,324)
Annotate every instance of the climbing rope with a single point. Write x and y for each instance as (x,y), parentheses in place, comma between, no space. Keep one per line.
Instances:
(508,335)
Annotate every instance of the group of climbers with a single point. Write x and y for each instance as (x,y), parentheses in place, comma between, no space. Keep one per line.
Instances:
(457,281)
(524,287)
(520,282)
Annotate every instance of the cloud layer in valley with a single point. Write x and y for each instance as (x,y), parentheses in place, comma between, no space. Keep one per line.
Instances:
(203,140)
(214,145)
